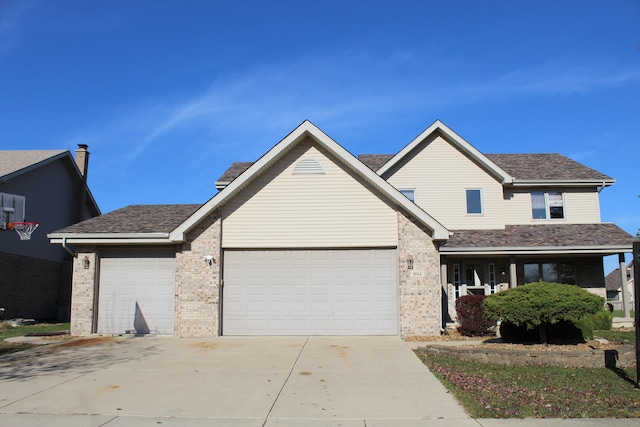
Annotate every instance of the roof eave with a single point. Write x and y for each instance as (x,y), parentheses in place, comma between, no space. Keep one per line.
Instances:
(540,250)
(109,238)
(562,182)
(220,185)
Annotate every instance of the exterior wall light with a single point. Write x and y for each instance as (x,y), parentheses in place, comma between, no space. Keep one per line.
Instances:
(209,259)
(410,263)
(86,263)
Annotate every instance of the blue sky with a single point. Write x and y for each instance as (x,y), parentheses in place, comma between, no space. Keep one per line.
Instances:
(168,93)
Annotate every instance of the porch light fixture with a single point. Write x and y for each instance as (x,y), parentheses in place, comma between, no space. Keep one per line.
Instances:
(86,263)
(410,262)
(209,259)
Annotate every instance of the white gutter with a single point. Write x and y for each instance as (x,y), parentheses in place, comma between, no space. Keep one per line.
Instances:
(97,241)
(84,236)
(66,248)
(560,182)
(543,250)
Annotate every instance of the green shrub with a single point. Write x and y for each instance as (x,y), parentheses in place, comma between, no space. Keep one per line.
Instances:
(603,320)
(541,304)
(564,330)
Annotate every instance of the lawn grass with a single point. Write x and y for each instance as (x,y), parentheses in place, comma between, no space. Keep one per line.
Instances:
(620,313)
(616,335)
(503,391)
(7,331)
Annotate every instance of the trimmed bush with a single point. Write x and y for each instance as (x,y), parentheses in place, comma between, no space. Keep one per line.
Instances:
(603,320)
(563,330)
(541,304)
(471,316)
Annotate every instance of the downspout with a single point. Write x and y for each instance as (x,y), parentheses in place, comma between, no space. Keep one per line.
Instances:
(66,248)
(601,188)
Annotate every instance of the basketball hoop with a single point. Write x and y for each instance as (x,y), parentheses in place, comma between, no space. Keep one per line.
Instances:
(24,229)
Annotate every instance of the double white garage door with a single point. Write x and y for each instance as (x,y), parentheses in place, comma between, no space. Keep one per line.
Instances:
(276,292)
(310,292)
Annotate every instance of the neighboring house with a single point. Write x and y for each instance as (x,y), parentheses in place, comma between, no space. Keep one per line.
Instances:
(613,283)
(309,240)
(47,187)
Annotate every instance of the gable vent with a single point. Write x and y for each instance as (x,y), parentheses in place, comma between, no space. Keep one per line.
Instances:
(308,165)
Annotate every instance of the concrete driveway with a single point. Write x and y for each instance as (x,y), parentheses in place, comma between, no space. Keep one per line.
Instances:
(256,382)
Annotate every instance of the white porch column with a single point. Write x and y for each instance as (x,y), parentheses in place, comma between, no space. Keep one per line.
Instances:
(626,306)
(513,272)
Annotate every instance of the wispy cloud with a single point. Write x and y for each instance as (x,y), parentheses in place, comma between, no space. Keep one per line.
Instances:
(549,79)
(347,88)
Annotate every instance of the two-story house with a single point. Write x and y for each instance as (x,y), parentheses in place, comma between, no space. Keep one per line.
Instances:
(48,187)
(310,240)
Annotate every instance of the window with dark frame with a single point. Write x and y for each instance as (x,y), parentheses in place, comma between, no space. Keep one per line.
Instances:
(562,272)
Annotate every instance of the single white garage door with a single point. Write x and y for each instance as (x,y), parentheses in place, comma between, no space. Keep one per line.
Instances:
(310,292)
(136,292)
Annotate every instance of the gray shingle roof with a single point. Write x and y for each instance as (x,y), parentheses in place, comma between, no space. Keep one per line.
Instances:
(234,171)
(540,236)
(14,160)
(135,219)
(613,281)
(375,161)
(521,166)
(545,167)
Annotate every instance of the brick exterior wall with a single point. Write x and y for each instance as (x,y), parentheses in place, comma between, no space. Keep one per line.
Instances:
(420,291)
(33,287)
(83,292)
(198,283)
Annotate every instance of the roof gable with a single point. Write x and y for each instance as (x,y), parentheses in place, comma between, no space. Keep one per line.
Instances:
(17,162)
(455,140)
(307,129)
(14,163)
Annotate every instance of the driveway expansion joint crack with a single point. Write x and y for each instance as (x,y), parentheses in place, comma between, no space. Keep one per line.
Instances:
(285,382)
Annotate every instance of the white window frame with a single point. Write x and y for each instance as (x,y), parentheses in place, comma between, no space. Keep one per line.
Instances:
(405,192)
(456,281)
(547,206)
(466,200)
(493,282)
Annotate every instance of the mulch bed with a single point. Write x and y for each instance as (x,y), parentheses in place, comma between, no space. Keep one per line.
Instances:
(496,343)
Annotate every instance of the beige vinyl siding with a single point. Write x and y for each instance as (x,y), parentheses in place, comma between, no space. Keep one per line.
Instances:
(581,206)
(440,175)
(281,209)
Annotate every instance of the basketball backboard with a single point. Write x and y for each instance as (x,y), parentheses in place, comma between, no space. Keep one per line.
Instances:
(12,209)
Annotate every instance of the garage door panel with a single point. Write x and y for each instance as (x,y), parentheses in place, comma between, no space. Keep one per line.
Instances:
(136,293)
(310,292)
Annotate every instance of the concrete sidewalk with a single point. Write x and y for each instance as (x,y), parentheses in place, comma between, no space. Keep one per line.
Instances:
(246,382)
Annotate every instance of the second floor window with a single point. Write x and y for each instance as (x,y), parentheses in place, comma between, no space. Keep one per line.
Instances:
(474,202)
(547,205)
(409,194)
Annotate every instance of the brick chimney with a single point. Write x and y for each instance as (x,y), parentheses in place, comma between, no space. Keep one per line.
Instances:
(82,159)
